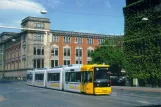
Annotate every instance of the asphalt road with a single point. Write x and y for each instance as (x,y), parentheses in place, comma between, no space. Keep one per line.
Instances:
(18,94)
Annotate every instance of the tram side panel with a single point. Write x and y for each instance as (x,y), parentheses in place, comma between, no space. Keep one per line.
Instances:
(54,79)
(30,77)
(40,77)
(72,80)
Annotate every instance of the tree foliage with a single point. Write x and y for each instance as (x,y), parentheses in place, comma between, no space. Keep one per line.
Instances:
(108,54)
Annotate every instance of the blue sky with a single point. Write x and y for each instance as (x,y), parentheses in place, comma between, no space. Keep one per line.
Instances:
(91,16)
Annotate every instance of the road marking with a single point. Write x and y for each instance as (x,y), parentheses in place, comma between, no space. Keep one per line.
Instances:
(2,98)
(145,102)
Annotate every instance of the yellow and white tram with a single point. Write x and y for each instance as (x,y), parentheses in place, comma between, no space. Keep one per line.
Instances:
(40,77)
(88,79)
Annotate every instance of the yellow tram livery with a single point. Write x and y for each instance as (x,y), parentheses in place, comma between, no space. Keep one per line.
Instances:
(95,79)
(88,79)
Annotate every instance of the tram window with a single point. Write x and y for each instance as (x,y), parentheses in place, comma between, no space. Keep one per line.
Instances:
(29,77)
(89,76)
(67,76)
(84,76)
(39,76)
(72,76)
(53,76)
(78,77)
(36,77)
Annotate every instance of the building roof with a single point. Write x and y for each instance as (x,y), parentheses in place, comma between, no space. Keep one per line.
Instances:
(81,34)
(8,34)
(36,19)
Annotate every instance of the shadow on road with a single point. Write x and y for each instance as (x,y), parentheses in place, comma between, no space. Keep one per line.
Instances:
(3,81)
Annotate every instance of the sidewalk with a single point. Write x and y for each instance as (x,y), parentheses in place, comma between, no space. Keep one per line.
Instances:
(148,89)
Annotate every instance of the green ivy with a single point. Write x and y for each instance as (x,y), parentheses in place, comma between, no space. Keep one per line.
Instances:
(142,44)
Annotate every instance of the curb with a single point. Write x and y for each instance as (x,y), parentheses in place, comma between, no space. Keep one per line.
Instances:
(139,89)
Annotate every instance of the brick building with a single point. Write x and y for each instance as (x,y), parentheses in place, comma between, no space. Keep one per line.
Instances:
(37,49)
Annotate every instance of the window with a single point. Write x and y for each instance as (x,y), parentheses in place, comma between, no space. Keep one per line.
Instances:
(88,62)
(66,62)
(78,62)
(53,76)
(78,77)
(66,51)
(100,41)
(38,51)
(89,41)
(38,63)
(72,76)
(66,39)
(89,52)
(39,25)
(42,38)
(35,37)
(78,40)
(78,52)
(67,76)
(89,76)
(38,37)
(29,76)
(42,51)
(55,38)
(54,51)
(54,63)
(39,76)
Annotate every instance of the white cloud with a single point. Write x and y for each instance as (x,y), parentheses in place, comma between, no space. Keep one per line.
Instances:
(108,4)
(79,4)
(13,11)
(21,5)
(52,3)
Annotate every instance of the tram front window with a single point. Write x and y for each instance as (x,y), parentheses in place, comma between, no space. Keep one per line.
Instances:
(101,78)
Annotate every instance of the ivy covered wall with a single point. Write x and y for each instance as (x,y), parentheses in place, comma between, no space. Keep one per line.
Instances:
(142,41)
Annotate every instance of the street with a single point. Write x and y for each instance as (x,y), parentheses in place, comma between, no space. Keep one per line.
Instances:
(18,94)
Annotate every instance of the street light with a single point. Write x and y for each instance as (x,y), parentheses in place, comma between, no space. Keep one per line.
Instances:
(43,11)
(145,19)
(78,53)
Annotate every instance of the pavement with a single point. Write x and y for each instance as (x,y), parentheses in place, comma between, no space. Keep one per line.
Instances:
(18,94)
(147,89)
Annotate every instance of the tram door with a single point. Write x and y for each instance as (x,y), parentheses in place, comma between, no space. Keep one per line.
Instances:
(87,82)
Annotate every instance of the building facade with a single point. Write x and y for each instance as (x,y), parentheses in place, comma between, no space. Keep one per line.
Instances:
(142,41)
(38,49)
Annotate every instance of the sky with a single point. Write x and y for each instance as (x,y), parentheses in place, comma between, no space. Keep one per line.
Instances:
(89,16)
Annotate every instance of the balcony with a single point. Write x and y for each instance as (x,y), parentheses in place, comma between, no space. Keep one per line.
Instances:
(38,56)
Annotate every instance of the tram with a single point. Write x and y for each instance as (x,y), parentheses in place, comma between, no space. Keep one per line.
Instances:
(86,79)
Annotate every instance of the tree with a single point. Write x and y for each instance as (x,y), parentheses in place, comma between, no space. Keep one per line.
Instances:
(108,54)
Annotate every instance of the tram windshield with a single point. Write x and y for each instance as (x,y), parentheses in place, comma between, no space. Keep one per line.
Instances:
(100,74)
